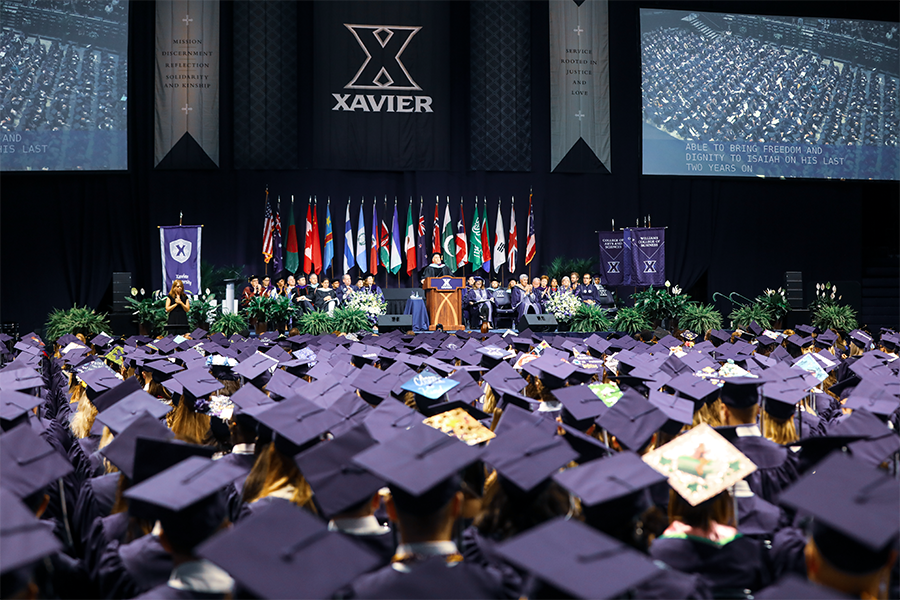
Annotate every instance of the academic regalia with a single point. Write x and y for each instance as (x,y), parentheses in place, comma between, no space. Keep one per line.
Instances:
(306,305)
(235,490)
(195,579)
(101,533)
(126,570)
(787,553)
(587,292)
(373,289)
(524,303)
(325,305)
(344,292)
(433,270)
(776,465)
(80,456)
(368,532)
(479,550)
(809,425)
(734,563)
(480,303)
(251,508)
(671,583)
(95,499)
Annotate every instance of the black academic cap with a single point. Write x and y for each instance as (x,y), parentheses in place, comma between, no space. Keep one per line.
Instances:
(337,482)
(526,460)
(121,451)
(879,441)
(740,392)
(254,366)
(23,540)
(110,397)
(298,421)
(781,402)
(99,380)
(696,389)
(282,551)
(284,385)
(16,404)
(856,510)
(28,462)
(577,559)
(633,420)
(418,462)
(610,478)
(873,397)
(152,456)
(162,369)
(580,402)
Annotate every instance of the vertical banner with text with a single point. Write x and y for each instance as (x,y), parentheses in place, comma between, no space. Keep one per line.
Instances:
(645,256)
(180,249)
(579,86)
(611,261)
(381,85)
(187,84)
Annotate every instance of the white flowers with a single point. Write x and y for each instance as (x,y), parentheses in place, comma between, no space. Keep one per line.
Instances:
(676,290)
(207,291)
(134,291)
(668,284)
(563,305)
(369,303)
(142,291)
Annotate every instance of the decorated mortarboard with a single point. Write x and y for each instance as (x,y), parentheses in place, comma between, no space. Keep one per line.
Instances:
(581,402)
(298,421)
(577,560)
(606,479)
(120,415)
(609,393)
(526,460)
(700,464)
(121,451)
(280,550)
(808,363)
(198,381)
(861,339)
(740,392)
(429,386)
(856,511)
(337,482)
(633,420)
(28,462)
(23,539)
(456,421)
(14,404)
(422,465)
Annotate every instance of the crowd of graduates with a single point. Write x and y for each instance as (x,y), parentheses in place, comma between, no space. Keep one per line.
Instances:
(736,464)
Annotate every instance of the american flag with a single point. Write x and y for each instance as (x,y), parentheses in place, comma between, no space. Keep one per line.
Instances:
(530,244)
(268,230)
(276,237)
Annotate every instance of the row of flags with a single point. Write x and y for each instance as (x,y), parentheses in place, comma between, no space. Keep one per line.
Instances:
(383,248)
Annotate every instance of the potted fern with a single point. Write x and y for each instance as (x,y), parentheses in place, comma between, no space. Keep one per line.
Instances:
(590,318)
(257,311)
(700,318)
(75,320)
(777,305)
(742,317)
(631,321)
(203,311)
(149,311)
(835,316)
(350,320)
(316,323)
(281,311)
(229,323)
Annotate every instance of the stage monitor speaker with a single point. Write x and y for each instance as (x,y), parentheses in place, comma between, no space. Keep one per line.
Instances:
(793,288)
(121,289)
(392,322)
(538,322)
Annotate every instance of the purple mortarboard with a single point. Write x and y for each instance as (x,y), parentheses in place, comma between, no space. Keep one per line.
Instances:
(551,370)
(284,385)
(468,389)
(99,380)
(580,402)
(719,336)
(24,378)
(873,397)
(63,341)
(152,455)
(669,342)
(504,377)
(374,383)
(740,392)
(280,550)
(254,366)
(674,366)
(861,339)
(198,334)
(298,421)
(526,460)
(610,478)
(587,447)
(577,560)
(436,409)
(597,344)
(250,400)
(23,540)
(633,420)
(506,397)
(879,441)
(28,462)
(766,341)
(781,355)
(110,397)
(679,411)
(826,339)
(165,345)
(428,387)
(351,409)
(389,418)
(796,342)
(337,482)
(781,402)
(198,381)
(121,451)
(807,330)
(856,512)
(418,462)
(695,388)
(440,366)
(15,404)
(279,354)
(697,361)
(120,415)
(162,369)
(795,587)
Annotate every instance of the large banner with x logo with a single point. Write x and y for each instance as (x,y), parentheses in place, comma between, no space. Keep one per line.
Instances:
(381,85)
(180,249)
(612,252)
(187,84)
(645,256)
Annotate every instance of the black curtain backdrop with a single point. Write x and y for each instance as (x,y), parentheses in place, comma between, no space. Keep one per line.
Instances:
(63,234)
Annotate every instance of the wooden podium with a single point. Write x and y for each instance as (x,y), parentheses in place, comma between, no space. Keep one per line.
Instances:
(443,299)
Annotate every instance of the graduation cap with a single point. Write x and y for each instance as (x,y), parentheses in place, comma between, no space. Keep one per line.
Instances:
(166,345)
(298,421)
(198,334)
(99,380)
(577,560)
(422,466)
(28,462)
(454,418)
(110,397)
(429,387)
(607,479)
(504,377)
(740,392)
(719,336)
(633,420)
(154,455)
(679,411)
(280,550)
(581,403)
(23,539)
(826,339)
(551,370)
(389,418)
(255,366)
(695,388)
(781,402)
(873,397)
(121,451)
(468,389)
(506,398)
(879,441)
(856,512)
(374,384)
(198,382)
(284,385)
(119,416)
(795,587)
(861,339)
(807,330)
(525,460)
(700,464)
(14,405)
(337,482)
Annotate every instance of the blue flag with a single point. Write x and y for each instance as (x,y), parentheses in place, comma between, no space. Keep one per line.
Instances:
(361,240)
(349,261)
(329,238)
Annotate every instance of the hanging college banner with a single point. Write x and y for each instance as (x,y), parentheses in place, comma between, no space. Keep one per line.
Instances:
(611,257)
(645,256)
(579,86)
(381,85)
(180,250)
(187,84)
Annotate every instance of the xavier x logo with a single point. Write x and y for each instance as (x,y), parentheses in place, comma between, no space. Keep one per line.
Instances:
(613,266)
(383,45)
(649,266)
(180,250)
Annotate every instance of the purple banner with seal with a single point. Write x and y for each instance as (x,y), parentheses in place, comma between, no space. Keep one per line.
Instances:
(179,246)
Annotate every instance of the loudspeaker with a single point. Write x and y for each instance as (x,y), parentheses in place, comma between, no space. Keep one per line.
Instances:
(793,288)
(391,322)
(121,289)
(538,322)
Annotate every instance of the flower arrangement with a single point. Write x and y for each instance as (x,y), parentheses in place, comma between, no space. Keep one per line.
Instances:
(563,304)
(826,295)
(775,302)
(658,304)
(371,304)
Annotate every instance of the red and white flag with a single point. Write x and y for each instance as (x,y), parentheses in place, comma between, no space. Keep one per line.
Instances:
(308,240)
(531,245)
(316,240)
(268,231)
(462,247)
(513,246)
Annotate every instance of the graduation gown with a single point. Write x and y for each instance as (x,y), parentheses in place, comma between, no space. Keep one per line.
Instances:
(80,456)
(95,499)
(325,305)
(479,550)
(587,292)
(777,467)
(368,532)
(441,270)
(126,570)
(196,579)
(304,292)
(235,489)
(101,533)
(432,577)
(480,303)
(524,303)
(735,563)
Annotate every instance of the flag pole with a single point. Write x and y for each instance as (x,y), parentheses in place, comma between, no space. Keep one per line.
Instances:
(267,206)
(528,233)
(328,215)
